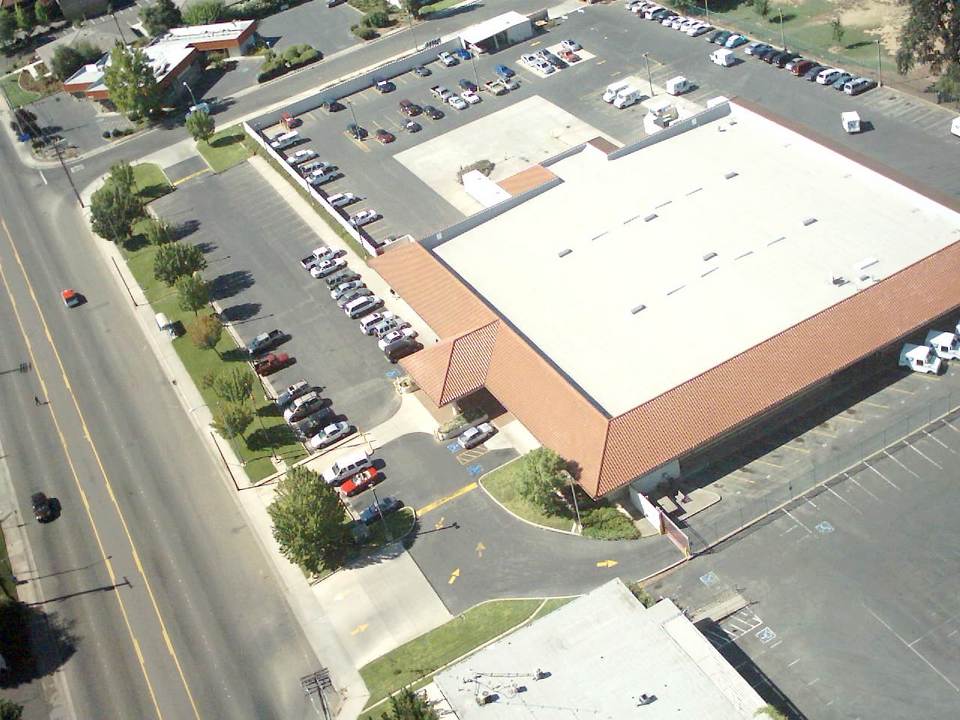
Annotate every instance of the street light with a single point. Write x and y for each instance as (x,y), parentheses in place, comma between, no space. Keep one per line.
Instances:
(189,90)
(706,7)
(386,530)
(879,68)
(782,41)
(356,125)
(646,58)
(476,74)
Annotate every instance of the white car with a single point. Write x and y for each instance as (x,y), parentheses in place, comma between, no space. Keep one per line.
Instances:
(340,199)
(367,322)
(301,156)
(351,295)
(343,288)
(396,335)
(329,435)
(826,77)
(510,83)
(327,267)
(324,253)
(470,96)
(676,22)
(447,59)
(322,176)
(529,60)
(571,45)
(457,102)
(472,437)
(544,67)
(364,217)
(698,30)
(387,325)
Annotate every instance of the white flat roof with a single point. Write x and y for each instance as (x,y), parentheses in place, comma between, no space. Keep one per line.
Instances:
(601,652)
(206,33)
(726,235)
(489,28)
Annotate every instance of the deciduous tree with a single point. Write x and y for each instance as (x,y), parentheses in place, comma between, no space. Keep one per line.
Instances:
(113,211)
(540,475)
(67,59)
(174,260)
(23,17)
(931,34)
(158,231)
(203,12)
(40,13)
(193,293)
(205,332)
(232,419)
(408,705)
(160,16)
(9,710)
(234,385)
(308,521)
(130,81)
(8,27)
(200,125)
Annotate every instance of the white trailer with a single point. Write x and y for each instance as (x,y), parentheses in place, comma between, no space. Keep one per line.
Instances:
(920,358)
(946,345)
(850,121)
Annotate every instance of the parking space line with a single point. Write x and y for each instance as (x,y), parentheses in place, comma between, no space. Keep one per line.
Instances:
(844,500)
(792,517)
(818,431)
(848,418)
(884,477)
(924,456)
(191,176)
(901,390)
(852,479)
(797,449)
(767,462)
(870,403)
(887,453)
(444,500)
(951,426)
(914,651)
(939,442)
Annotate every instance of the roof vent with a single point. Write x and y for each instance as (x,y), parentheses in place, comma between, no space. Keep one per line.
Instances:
(774,242)
(838,280)
(694,191)
(637,309)
(809,221)
(731,175)
(676,289)
(743,255)
(709,256)
(651,216)
(564,253)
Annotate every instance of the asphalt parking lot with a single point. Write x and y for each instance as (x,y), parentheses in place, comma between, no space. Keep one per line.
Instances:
(313,23)
(76,120)
(253,255)
(853,592)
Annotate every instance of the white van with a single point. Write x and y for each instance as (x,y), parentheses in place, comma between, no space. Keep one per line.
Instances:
(285,140)
(723,57)
(955,126)
(361,306)
(626,97)
(346,467)
(678,85)
(610,94)
(165,326)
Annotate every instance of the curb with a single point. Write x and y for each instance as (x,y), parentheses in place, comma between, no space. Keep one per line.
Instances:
(513,514)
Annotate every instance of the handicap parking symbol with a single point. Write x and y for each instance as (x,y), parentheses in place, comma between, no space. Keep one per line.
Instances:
(475,469)
(823,527)
(766,635)
(454,447)
(709,579)
(393,373)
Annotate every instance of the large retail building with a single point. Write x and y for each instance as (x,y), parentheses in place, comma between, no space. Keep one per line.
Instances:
(633,306)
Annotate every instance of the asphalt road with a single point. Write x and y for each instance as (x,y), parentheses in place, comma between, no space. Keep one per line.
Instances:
(142,483)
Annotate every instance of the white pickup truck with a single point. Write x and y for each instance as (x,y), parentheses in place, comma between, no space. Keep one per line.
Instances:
(440,92)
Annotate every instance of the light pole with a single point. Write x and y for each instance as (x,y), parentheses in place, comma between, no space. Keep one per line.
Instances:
(879,68)
(646,58)
(476,74)
(706,7)
(190,90)
(386,530)
(356,125)
(782,41)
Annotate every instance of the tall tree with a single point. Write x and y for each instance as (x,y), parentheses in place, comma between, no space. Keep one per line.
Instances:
(308,521)
(408,705)
(931,34)
(113,211)
(23,17)
(205,332)
(130,81)
(193,293)
(174,260)
(67,59)
(8,26)
(234,385)
(232,419)
(540,475)
(9,710)
(948,84)
(203,12)
(40,13)
(160,16)
(201,125)
(122,175)
(158,231)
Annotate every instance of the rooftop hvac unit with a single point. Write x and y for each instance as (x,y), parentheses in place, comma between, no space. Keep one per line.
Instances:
(485,698)
(838,280)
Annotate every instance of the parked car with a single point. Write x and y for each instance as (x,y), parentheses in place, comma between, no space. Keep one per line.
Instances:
(462,54)
(387,325)
(305,405)
(329,435)
(410,109)
(401,350)
(71,298)
(799,66)
(569,56)
(327,267)
(471,437)
(774,56)
(786,58)
(470,96)
(355,131)
(842,80)
(364,217)
(43,509)
(766,53)
(720,37)
(343,288)
(316,167)
(544,67)
(572,45)
(504,71)
(552,59)
(266,341)
(362,306)
(396,335)
(431,112)
(301,156)
(343,276)
(312,424)
(332,106)
(384,136)
(735,41)
(384,86)
(811,74)
(467,85)
(457,102)
(698,30)
(352,295)
(495,87)
(369,321)
(447,59)
(272,363)
(339,200)
(828,76)
(859,85)
(422,71)
(412,126)
(291,393)
(319,177)
(361,481)
(372,512)
(755,47)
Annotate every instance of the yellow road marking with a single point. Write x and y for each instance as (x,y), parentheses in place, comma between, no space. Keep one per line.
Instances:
(191,176)
(795,448)
(103,472)
(848,418)
(870,403)
(359,629)
(444,500)
(453,576)
(818,431)
(480,548)
(607,563)
(901,390)
(439,523)
(358,143)
(468,456)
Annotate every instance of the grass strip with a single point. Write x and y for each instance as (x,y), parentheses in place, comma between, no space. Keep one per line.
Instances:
(225,149)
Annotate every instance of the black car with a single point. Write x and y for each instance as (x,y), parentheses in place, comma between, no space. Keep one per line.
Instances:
(783,58)
(554,60)
(372,512)
(43,509)
(309,426)
(411,126)
(431,112)
(402,350)
(355,131)
(764,53)
(332,106)
(421,71)
(812,73)
(467,85)
(772,57)
(714,36)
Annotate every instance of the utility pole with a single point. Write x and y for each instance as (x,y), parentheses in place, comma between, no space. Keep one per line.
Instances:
(706,7)
(476,74)
(356,132)
(646,58)
(190,90)
(119,30)
(879,68)
(56,149)
(782,41)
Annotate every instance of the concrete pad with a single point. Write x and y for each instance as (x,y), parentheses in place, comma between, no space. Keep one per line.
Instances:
(538,130)
(380,606)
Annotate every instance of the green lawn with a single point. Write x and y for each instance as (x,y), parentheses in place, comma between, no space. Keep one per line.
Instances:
(425,654)
(6,572)
(438,6)
(225,149)
(152,183)
(268,430)
(17,95)
(502,484)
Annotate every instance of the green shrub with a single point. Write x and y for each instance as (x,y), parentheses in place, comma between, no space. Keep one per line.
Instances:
(376,19)
(363,32)
(608,523)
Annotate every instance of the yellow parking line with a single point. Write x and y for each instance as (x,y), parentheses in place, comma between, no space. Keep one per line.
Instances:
(798,449)
(822,432)
(870,403)
(191,176)
(767,462)
(444,500)
(901,390)
(848,418)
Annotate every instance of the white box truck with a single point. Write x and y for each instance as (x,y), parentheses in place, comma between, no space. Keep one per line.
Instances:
(626,97)
(610,94)
(723,57)
(955,126)
(678,85)
(850,121)
(919,358)
(946,345)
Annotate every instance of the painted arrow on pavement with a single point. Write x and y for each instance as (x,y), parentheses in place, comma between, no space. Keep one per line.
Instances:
(359,629)
(453,576)
(480,548)
(607,563)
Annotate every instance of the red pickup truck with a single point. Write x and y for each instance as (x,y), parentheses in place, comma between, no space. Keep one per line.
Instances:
(272,363)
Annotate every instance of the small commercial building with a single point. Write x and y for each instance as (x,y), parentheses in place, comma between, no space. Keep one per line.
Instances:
(641,308)
(602,655)
(233,38)
(498,32)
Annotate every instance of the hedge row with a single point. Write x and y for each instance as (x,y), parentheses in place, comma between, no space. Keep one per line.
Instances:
(295,56)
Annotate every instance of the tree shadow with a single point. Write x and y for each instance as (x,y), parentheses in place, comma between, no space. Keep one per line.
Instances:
(229,284)
(152,192)
(452,11)
(272,437)
(787,17)
(185,229)
(235,355)
(135,243)
(240,313)
(859,44)
(206,247)
(35,643)
(226,141)
(269,410)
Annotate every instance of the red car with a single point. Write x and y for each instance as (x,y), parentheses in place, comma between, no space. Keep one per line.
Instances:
(269,364)
(385,136)
(71,298)
(569,56)
(360,482)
